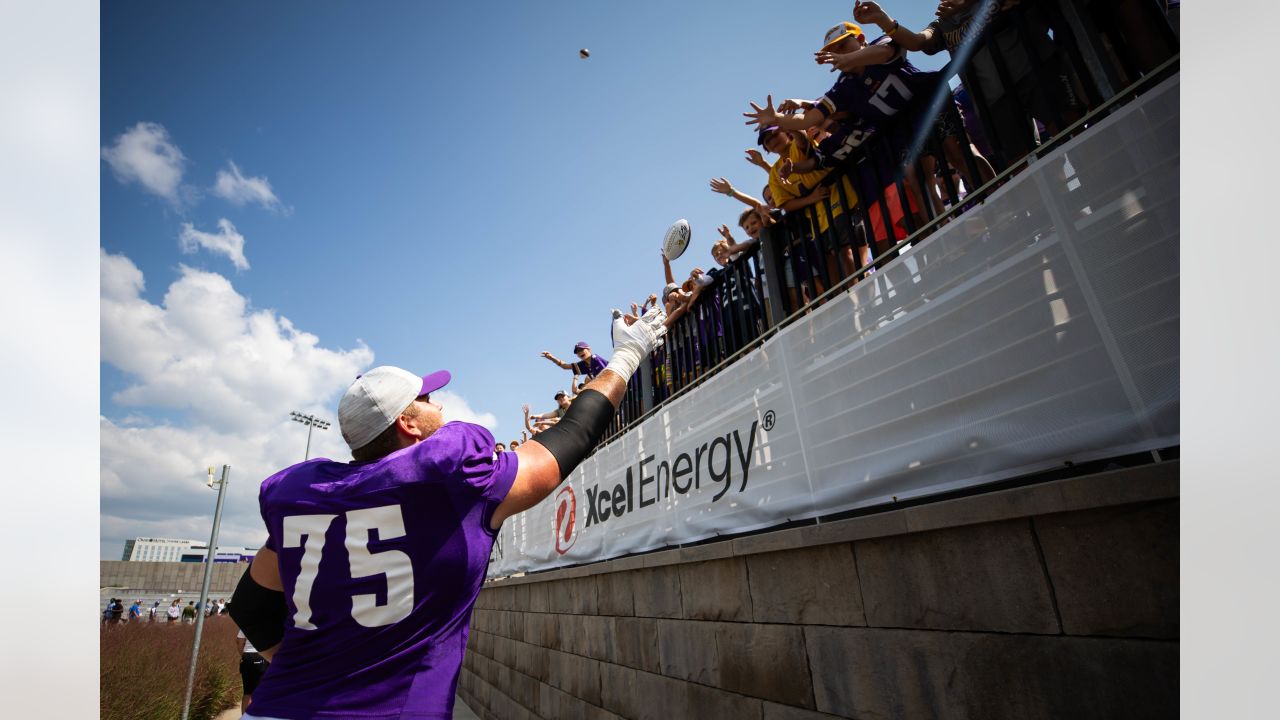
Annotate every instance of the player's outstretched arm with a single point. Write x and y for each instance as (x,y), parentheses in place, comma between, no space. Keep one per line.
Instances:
(547,460)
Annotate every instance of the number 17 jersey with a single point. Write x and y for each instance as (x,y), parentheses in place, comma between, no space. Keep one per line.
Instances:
(381,564)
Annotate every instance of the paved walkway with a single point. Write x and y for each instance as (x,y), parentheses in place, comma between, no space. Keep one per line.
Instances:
(460,712)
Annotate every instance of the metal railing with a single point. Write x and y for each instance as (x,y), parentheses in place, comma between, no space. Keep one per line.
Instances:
(1036,75)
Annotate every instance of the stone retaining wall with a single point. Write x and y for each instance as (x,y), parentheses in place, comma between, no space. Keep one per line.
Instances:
(148,578)
(1057,600)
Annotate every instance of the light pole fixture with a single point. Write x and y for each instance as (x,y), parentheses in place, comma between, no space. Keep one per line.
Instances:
(311,421)
(210,554)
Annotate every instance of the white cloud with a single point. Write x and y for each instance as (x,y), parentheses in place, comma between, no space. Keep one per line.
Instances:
(204,350)
(146,155)
(227,241)
(457,408)
(240,190)
(233,374)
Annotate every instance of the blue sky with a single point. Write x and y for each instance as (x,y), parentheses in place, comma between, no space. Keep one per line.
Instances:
(448,188)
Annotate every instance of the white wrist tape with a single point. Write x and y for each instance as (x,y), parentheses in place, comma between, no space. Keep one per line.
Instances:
(633,343)
(626,358)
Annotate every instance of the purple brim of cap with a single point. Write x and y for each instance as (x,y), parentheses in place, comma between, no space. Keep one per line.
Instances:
(764,133)
(434,381)
(581,346)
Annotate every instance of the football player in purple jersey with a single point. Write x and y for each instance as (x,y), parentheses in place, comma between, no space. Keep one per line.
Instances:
(361,597)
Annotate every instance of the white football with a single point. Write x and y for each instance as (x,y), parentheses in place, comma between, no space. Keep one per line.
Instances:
(676,239)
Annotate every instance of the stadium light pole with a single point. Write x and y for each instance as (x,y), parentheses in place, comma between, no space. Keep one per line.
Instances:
(311,421)
(204,587)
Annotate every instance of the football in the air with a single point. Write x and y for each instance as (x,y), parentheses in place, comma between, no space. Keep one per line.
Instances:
(676,239)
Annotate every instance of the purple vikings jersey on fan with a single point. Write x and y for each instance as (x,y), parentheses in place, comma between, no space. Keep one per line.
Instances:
(880,91)
(381,563)
(590,367)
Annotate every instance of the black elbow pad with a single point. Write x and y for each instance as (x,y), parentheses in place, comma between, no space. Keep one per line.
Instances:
(575,436)
(259,612)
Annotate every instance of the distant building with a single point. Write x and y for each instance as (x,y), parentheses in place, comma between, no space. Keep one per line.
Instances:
(146,549)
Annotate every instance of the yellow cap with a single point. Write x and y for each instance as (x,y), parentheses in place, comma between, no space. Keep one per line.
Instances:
(838,33)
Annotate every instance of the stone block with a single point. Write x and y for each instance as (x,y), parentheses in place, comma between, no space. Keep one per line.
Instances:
(577,676)
(534,628)
(636,643)
(614,594)
(618,689)
(554,703)
(657,592)
(515,625)
(978,577)
(504,651)
(658,559)
(560,596)
(623,564)
(986,507)
(715,590)
(687,650)
(717,550)
(571,633)
(519,598)
(583,593)
(774,711)
(551,631)
(1115,570)
(1146,483)
(882,524)
(522,688)
(532,661)
(764,661)
(707,702)
(597,642)
(539,597)
(661,698)
(870,672)
(809,585)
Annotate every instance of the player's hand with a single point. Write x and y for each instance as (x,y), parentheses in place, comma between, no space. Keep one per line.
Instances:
(546,354)
(526,411)
(756,158)
(722,186)
(762,116)
(822,192)
(724,233)
(643,333)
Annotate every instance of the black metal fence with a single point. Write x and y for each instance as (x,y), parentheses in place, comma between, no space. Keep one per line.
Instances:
(1031,75)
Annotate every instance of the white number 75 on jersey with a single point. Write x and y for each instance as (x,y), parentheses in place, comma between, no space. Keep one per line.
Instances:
(308,531)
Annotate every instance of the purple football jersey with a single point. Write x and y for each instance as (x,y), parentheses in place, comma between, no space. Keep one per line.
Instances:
(381,563)
(591,367)
(879,92)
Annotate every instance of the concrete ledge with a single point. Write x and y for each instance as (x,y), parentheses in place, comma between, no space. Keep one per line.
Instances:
(1147,483)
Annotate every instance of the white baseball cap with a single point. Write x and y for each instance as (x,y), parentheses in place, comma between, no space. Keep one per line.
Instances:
(376,399)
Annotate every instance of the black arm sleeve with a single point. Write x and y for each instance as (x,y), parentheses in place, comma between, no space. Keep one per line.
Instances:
(259,612)
(575,436)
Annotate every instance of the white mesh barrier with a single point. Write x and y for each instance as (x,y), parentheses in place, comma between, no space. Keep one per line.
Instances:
(1041,327)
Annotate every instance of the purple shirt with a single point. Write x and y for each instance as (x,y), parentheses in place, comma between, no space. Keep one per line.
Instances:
(591,367)
(879,92)
(381,563)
